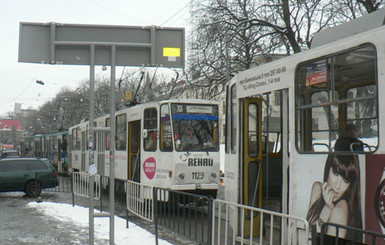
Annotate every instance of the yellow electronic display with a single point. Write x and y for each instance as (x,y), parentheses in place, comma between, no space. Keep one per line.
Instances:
(173,52)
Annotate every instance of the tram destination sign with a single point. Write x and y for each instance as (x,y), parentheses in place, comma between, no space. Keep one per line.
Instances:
(55,43)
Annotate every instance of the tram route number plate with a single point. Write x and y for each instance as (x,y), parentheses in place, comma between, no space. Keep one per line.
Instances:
(198,175)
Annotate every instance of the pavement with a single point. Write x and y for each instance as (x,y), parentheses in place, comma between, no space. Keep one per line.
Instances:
(20,224)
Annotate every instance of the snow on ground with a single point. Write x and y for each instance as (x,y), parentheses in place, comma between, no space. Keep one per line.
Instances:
(79,217)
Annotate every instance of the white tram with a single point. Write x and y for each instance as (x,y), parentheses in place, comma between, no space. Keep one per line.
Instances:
(171,144)
(283,120)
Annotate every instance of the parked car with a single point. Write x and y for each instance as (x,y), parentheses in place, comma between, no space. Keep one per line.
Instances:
(29,175)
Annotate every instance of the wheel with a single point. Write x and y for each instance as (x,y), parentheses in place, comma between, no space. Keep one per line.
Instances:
(32,189)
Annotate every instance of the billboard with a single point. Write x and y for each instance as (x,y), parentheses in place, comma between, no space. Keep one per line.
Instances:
(54,43)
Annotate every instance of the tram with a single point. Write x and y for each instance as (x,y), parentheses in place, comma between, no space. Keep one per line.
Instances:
(170,144)
(283,121)
(31,146)
(51,146)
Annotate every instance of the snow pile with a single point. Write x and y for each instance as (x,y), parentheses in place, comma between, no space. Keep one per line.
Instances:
(78,216)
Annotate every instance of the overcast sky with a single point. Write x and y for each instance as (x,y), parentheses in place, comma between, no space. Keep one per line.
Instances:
(18,80)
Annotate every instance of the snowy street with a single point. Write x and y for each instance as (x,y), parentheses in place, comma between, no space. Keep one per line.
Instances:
(24,221)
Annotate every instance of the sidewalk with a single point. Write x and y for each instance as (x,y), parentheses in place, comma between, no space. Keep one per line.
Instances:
(55,221)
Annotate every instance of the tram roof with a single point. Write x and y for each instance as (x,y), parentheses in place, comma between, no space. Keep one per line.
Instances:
(355,26)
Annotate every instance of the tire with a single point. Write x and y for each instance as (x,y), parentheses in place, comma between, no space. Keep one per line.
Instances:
(32,189)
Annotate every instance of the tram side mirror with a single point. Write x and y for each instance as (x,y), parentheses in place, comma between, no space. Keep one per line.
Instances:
(145,133)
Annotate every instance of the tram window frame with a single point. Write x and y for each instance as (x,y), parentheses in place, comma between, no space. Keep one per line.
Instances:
(166,143)
(272,122)
(227,121)
(108,135)
(337,73)
(134,138)
(121,132)
(253,129)
(150,116)
(87,138)
(73,139)
(95,143)
(233,120)
(78,138)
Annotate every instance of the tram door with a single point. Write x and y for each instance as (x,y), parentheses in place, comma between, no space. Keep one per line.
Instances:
(252,162)
(133,151)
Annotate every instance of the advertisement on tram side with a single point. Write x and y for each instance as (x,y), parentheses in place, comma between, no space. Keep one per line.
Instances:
(345,189)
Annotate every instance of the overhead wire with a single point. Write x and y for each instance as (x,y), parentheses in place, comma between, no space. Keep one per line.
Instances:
(126,16)
(178,12)
(174,5)
(114,11)
(22,92)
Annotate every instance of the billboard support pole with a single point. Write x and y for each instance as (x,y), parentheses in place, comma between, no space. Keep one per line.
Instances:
(91,144)
(112,145)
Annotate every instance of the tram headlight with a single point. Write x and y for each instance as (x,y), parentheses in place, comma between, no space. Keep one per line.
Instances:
(181,176)
(213,176)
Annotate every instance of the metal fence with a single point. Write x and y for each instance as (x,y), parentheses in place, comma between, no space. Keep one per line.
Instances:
(119,193)
(203,220)
(186,214)
(322,238)
(239,224)
(140,200)
(61,184)
(81,184)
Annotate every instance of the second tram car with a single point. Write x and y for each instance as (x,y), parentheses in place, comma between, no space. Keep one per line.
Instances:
(171,144)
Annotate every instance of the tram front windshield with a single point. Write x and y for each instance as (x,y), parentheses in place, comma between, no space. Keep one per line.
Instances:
(195,127)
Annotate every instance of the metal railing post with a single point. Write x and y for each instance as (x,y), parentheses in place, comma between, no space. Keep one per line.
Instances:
(72,189)
(210,219)
(314,235)
(155,198)
(101,193)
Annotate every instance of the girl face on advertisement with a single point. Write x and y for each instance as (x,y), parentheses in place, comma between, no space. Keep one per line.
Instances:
(337,184)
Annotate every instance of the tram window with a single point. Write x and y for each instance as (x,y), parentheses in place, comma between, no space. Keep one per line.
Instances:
(73,136)
(253,130)
(271,122)
(87,139)
(227,124)
(195,127)
(108,124)
(150,124)
(78,138)
(121,132)
(364,117)
(97,141)
(165,128)
(94,136)
(134,138)
(233,119)
(335,92)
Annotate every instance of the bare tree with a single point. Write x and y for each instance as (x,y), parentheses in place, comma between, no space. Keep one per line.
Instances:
(229,36)
(152,84)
